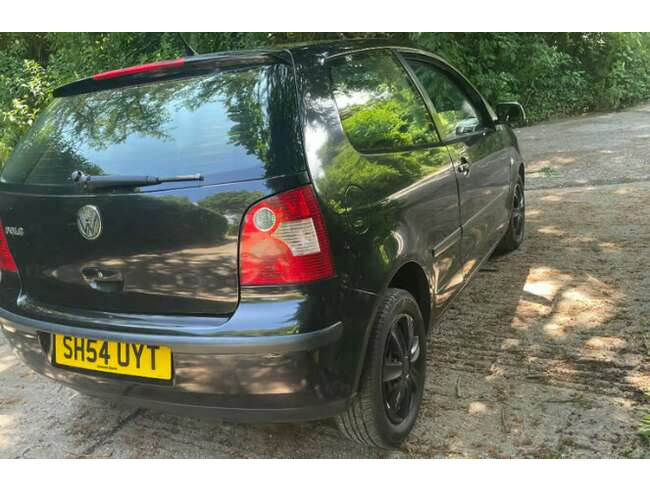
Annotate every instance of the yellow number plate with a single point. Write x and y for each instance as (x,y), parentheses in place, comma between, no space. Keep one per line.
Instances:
(144,361)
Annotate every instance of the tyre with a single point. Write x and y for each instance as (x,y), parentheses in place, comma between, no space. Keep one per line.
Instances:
(392,381)
(515,232)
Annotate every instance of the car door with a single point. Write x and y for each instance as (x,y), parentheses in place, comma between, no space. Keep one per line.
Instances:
(405,191)
(480,154)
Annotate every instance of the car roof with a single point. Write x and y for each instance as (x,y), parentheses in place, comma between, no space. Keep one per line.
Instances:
(314,48)
(299,53)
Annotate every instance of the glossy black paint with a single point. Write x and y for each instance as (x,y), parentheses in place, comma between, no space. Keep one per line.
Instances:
(258,353)
(172,252)
(169,248)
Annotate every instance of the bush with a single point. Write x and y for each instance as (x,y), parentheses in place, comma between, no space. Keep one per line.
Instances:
(552,74)
(24,90)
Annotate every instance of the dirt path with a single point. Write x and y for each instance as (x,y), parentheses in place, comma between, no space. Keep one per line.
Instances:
(596,149)
(546,354)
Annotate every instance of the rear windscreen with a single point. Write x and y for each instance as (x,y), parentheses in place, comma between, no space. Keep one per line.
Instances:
(230,123)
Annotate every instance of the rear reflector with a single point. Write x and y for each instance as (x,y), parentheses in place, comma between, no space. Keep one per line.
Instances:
(159,65)
(6,260)
(284,241)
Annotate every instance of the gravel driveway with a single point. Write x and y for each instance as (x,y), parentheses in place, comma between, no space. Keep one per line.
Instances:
(546,354)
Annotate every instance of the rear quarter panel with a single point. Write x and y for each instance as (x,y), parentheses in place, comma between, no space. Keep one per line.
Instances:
(382,210)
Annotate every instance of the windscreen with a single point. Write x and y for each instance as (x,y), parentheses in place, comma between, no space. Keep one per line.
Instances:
(233,121)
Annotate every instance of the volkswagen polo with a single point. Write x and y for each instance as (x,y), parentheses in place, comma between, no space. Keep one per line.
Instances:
(260,235)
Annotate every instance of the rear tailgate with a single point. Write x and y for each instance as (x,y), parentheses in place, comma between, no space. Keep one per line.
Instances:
(165,249)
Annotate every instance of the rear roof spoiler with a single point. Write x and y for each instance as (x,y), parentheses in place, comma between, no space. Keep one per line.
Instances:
(169,69)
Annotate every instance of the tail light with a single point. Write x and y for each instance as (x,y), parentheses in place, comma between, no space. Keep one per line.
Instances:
(7,262)
(131,70)
(284,241)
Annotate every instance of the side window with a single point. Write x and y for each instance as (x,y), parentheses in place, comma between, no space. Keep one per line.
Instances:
(457,115)
(379,107)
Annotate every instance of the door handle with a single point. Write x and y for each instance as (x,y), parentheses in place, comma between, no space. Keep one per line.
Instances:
(463,166)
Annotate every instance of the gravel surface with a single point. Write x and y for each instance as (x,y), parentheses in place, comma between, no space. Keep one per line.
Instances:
(545,354)
(590,150)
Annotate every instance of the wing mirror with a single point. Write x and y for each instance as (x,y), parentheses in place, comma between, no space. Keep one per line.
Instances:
(511,113)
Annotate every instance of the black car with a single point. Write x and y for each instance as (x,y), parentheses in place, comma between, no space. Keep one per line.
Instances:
(260,235)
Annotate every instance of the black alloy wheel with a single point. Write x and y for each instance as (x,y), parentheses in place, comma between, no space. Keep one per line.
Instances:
(519,211)
(392,381)
(514,235)
(401,370)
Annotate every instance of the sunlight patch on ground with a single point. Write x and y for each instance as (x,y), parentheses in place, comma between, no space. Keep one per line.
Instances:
(607,349)
(533,213)
(6,422)
(607,343)
(554,330)
(477,408)
(560,303)
(6,362)
(551,230)
(544,289)
(581,240)
(495,372)
(610,247)
(577,295)
(553,198)
(639,380)
(509,344)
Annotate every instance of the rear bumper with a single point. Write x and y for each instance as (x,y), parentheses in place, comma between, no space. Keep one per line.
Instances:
(277,344)
(289,377)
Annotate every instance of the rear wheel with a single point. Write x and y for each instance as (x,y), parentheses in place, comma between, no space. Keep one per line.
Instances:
(392,382)
(515,233)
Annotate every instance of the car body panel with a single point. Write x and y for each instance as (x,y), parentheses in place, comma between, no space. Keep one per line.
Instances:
(387,221)
(484,193)
(482,156)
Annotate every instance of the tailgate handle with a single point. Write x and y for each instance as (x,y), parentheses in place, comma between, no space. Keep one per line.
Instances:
(103,279)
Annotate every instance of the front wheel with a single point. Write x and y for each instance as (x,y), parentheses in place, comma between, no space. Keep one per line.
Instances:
(392,382)
(515,232)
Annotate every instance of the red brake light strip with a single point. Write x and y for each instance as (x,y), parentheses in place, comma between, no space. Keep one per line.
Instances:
(158,65)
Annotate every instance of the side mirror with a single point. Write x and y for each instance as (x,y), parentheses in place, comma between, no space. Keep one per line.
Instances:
(511,113)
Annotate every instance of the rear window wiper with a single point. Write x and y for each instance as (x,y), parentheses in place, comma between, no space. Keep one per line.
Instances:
(108,181)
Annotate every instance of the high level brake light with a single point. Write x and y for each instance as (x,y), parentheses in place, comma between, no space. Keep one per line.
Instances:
(284,241)
(158,65)
(7,262)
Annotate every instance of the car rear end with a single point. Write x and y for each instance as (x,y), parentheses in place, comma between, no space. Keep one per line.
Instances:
(217,294)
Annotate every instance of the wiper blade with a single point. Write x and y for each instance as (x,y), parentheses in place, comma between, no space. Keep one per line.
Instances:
(108,181)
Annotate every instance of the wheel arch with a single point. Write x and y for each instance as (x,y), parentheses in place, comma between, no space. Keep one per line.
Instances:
(412,278)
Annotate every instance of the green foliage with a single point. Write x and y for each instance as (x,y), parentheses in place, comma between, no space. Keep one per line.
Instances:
(24,89)
(552,74)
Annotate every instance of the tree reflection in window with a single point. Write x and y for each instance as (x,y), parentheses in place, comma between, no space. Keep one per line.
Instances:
(236,120)
(456,113)
(380,110)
